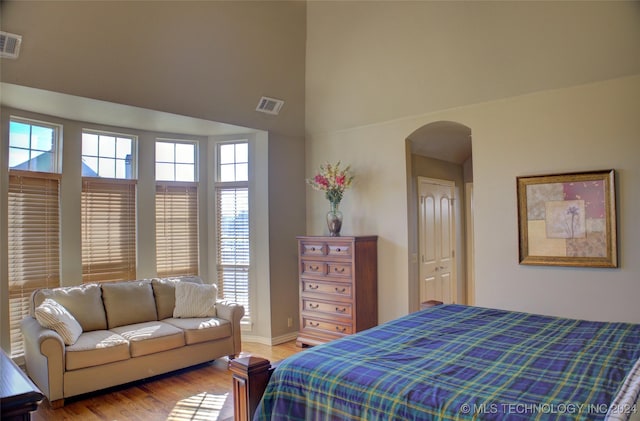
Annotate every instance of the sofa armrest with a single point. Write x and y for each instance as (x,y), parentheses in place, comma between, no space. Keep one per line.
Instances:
(44,353)
(233,312)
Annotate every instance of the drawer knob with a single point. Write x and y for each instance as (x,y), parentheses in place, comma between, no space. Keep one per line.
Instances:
(341,329)
(341,291)
(341,310)
(338,249)
(311,286)
(314,268)
(314,306)
(312,324)
(338,270)
(313,249)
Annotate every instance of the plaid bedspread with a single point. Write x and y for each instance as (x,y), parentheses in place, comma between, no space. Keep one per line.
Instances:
(454,362)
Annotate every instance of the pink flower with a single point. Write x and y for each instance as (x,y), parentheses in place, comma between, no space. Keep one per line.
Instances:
(332,180)
(321,180)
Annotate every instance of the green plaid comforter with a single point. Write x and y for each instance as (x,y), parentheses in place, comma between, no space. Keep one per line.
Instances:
(454,362)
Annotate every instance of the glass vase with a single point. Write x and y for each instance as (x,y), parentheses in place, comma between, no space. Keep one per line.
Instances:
(334,220)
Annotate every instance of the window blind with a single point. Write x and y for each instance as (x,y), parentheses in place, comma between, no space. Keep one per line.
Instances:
(176,229)
(33,243)
(108,229)
(232,223)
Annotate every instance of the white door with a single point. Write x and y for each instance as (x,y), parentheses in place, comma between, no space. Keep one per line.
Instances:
(437,240)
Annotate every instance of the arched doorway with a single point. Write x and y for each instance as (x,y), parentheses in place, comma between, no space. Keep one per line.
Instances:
(441,151)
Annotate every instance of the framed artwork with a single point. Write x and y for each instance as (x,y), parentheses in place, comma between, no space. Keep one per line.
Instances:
(568,219)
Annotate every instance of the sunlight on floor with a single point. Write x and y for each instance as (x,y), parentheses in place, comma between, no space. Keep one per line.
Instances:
(204,406)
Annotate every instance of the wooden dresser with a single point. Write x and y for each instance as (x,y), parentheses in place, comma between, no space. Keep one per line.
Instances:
(338,287)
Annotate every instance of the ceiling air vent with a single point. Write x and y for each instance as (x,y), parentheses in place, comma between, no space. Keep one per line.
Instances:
(269,105)
(9,45)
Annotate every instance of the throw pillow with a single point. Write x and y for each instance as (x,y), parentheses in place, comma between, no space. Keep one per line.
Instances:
(164,290)
(53,315)
(195,300)
(83,301)
(128,302)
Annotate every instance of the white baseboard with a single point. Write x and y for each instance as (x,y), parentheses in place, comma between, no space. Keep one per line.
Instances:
(284,338)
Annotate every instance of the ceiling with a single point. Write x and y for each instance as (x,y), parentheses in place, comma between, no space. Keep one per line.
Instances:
(375,61)
(209,60)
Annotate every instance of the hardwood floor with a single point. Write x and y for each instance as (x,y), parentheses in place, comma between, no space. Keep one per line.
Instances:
(202,392)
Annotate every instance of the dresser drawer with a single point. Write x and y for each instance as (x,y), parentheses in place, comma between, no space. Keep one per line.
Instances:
(339,269)
(311,267)
(329,308)
(332,288)
(312,248)
(331,249)
(327,326)
(339,249)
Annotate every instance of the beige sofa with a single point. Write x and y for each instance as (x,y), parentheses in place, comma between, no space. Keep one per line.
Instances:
(127,331)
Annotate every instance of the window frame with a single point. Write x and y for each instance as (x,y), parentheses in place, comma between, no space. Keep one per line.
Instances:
(164,191)
(134,151)
(247,320)
(50,270)
(196,159)
(57,142)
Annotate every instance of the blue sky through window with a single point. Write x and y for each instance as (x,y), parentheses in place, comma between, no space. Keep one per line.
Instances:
(32,147)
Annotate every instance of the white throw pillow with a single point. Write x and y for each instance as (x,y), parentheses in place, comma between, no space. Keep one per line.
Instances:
(195,300)
(53,315)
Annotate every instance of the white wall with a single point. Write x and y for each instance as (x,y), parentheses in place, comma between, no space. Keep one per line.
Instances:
(593,126)
(376,204)
(576,129)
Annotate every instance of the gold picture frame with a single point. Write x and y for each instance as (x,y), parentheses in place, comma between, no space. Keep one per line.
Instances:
(568,219)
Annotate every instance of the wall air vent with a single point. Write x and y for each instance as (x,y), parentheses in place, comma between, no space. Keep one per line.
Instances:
(9,45)
(269,105)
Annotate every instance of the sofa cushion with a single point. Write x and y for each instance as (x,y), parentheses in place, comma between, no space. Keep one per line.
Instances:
(150,337)
(194,300)
(52,315)
(198,330)
(164,290)
(96,348)
(128,302)
(84,302)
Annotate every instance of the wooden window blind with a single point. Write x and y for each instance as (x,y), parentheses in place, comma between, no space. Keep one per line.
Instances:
(108,229)
(33,243)
(177,229)
(232,228)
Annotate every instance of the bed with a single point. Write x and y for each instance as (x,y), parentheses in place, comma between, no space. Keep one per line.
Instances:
(455,362)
